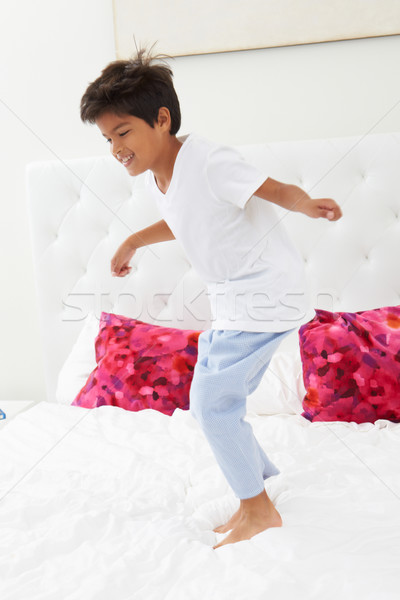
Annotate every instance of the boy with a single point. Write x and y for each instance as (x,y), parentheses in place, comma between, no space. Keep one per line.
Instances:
(253,276)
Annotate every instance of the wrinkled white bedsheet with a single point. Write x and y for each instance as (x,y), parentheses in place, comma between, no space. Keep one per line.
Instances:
(106,504)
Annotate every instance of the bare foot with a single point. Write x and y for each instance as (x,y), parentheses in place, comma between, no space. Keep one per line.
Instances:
(233,521)
(254,516)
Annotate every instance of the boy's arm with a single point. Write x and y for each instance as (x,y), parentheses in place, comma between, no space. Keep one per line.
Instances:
(158,232)
(294,198)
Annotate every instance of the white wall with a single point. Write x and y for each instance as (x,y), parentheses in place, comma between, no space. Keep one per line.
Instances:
(294,92)
(51,49)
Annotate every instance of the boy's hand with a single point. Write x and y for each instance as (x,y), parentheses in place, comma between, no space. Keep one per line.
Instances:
(320,207)
(120,261)
(294,198)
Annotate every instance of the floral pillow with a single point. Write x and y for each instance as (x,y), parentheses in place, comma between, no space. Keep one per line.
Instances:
(351,365)
(140,366)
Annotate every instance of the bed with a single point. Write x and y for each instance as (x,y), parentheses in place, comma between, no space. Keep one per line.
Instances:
(109,503)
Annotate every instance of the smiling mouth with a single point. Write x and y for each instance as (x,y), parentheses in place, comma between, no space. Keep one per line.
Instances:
(127,160)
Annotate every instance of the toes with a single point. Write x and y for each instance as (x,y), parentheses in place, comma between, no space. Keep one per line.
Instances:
(218,529)
(222,529)
(231,524)
(227,540)
(221,543)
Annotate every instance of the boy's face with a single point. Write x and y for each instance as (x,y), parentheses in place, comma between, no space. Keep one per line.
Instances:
(132,141)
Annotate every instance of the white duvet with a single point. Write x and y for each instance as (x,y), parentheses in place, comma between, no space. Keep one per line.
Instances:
(106,504)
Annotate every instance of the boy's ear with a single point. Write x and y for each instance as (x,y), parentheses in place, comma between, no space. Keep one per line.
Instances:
(164,118)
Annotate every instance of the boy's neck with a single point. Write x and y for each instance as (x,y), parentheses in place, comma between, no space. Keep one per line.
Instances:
(165,168)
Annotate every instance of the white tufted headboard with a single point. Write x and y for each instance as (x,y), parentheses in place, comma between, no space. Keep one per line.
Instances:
(81,210)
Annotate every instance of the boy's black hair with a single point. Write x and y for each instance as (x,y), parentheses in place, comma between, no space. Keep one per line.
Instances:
(136,87)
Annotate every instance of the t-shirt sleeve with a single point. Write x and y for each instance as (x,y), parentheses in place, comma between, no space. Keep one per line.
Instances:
(231,178)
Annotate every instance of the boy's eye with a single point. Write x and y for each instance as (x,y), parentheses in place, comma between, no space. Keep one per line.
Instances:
(120,135)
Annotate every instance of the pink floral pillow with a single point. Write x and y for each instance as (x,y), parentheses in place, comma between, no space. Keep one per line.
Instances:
(351,365)
(140,366)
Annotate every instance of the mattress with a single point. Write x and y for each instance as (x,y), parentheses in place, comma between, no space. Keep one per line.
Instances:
(106,503)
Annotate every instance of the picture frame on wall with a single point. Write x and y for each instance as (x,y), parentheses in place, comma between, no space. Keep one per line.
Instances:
(187,27)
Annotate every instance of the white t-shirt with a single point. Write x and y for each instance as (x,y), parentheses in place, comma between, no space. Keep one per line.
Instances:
(254,275)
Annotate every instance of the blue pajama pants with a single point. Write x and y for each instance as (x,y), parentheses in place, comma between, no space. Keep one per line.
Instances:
(229,367)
